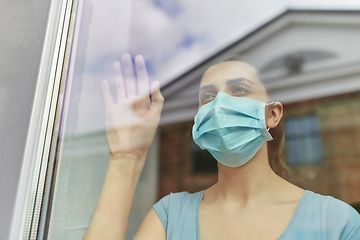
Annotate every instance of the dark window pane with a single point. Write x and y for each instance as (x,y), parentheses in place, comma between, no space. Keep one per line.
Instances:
(203,161)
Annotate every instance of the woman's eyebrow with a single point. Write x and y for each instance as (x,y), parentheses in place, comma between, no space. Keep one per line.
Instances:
(207,88)
(232,82)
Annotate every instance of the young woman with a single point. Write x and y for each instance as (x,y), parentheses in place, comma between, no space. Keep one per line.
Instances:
(249,201)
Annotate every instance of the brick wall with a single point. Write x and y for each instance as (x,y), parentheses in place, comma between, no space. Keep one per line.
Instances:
(337,175)
(176,169)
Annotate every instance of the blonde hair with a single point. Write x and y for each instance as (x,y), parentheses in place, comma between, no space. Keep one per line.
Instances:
(276,146)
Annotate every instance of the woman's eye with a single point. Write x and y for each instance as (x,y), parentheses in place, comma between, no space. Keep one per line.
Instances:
(207,97)
(240,90)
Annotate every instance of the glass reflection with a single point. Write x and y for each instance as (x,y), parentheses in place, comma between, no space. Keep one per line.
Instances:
(330,165)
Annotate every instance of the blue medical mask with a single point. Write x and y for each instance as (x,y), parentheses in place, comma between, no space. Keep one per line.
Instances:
(232,129)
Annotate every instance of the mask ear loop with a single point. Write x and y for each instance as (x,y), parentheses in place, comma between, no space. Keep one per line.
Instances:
(271,103)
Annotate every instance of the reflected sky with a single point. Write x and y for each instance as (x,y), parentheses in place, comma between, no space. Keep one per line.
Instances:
(173,36)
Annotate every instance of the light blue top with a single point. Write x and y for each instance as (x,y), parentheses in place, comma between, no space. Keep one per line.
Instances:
(316,217)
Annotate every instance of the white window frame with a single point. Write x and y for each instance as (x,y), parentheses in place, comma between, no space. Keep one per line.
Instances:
(29,217)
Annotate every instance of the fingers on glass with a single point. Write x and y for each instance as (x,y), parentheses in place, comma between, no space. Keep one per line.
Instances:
(120,84)
(155,91)
(157,99)
(143,79)
(129,75)
(109,102)
(130,86)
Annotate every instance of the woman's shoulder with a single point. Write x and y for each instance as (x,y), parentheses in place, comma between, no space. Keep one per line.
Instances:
(338,215)
(176,208)
(329,204)
(179,198)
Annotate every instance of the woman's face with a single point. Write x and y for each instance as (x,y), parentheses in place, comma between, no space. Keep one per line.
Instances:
(235,78)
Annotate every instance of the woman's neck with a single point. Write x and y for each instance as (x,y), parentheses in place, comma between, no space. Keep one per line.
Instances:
(250,183)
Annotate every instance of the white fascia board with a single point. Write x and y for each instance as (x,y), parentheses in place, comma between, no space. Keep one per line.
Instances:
(317,85)
(340,18)
(315,76)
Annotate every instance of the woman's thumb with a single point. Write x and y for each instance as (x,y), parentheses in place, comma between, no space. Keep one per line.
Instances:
(157,99)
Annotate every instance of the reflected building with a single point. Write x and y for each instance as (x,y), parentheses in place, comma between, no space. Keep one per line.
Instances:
(310,62)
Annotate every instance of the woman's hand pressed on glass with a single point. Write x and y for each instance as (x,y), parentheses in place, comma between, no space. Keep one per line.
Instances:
(131,122)
(130,128)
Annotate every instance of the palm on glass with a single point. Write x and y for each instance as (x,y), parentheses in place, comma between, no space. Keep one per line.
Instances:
(131,122)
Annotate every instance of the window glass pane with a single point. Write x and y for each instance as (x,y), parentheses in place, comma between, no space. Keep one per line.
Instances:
(316,149)
(83,153)
(303,141)
(293,151)
(292,127)
(104,31)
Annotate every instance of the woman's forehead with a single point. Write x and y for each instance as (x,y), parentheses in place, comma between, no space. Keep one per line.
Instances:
(220,73)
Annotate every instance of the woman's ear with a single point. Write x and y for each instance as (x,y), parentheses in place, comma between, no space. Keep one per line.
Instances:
(275,113)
